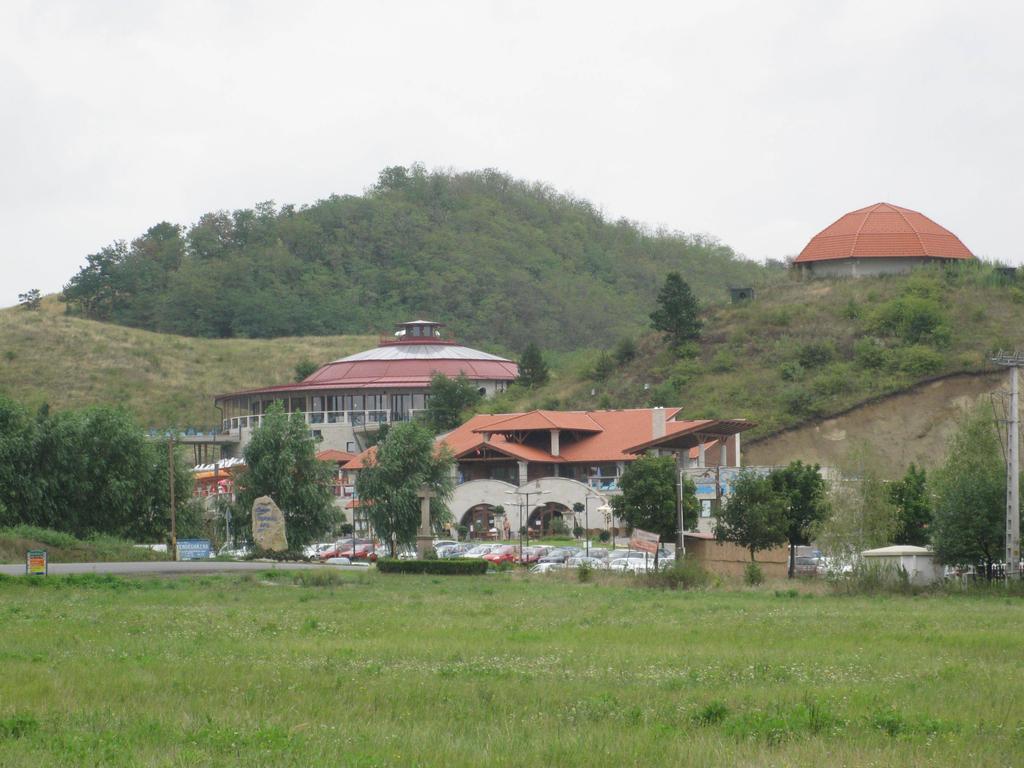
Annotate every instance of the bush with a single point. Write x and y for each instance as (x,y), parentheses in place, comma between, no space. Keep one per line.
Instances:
(584,572)
(723,361)
(42,535)
(868,353)
(816,354)
(288,556)
(604,536)
(625,351)
(916,360)
(437,567)
(913,319)
(604,367)
(752,574)
(791,371)
(685,573)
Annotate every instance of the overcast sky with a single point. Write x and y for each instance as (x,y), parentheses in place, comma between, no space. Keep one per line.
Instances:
(756,122)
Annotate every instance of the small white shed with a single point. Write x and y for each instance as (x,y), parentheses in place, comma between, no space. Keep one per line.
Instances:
(919,562)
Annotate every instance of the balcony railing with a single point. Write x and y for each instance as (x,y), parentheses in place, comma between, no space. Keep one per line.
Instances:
(330,418)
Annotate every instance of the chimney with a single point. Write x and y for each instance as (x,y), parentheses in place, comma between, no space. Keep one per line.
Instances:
(657,422)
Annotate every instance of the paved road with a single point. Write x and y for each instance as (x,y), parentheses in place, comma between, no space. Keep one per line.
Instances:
(171,568)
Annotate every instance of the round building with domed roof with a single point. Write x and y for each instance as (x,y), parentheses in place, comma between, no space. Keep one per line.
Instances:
(881,239)
(345,400)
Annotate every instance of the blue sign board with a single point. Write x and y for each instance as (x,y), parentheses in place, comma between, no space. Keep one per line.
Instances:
(194,549)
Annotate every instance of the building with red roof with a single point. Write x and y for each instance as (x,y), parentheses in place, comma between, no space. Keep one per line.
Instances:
(537,466)
(881,239)
(345,399)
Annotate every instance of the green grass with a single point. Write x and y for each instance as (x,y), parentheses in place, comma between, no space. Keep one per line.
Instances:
(370,670)
(65,548)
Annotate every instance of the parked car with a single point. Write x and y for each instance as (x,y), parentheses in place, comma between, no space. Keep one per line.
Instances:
(546,567)
(530,555)
(479,551)
(438,543)
(589,562)
(453,550)
(805,566)
(502,554)
(315,550)
(365,552)
(340,546)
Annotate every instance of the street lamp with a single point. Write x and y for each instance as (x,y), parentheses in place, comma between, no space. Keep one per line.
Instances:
(525,523)
(609,513)
(604,508)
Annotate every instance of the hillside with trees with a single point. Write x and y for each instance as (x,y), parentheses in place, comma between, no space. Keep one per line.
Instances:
(499,259)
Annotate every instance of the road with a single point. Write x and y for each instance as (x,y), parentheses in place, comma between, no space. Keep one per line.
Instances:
(171,568)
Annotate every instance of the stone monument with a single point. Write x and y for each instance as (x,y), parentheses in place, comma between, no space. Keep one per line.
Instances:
(424,537)
(268,526)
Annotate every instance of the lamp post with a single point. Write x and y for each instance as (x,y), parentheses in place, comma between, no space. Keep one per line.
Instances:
(603,509)
(609,514)
(525,523)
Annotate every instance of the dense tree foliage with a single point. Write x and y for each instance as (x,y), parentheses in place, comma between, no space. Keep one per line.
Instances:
(533,371)
(677,314)
(502,260)
(913,510)
(803,490)
(449,400)
(755,515)
(970,496)
(281,463)
(85,472)
(648,499)
(389,484)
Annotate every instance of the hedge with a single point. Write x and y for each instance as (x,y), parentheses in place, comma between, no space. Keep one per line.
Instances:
(439,567)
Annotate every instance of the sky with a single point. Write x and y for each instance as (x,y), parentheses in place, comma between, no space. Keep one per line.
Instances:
(758,123)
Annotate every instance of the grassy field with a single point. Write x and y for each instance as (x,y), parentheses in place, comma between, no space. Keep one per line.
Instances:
(503,670)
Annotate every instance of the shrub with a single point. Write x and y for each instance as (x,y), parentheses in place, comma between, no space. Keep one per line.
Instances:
(625,351)
(604,536)
(868,353)
(833,381)
(437,567)
(288,556)
(913,319)
(916,360)
(798,401)
(42,535)
(791,371)
(685,573)
(816,354)
(711,713)
(752,574)
(584,572)
(16,726)
(604,367)
(723,361)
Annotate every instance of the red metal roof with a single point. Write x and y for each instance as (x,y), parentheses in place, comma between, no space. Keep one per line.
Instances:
(335,455)
(883,231)
(527,422)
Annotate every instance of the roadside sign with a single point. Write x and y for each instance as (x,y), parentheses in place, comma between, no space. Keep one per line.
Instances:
(194,549)
(645,541)
(35,562)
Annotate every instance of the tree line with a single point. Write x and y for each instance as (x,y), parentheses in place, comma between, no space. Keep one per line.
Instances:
(529,264)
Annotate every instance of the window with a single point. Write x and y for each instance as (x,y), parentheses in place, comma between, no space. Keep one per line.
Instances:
(604,477)
(350,447)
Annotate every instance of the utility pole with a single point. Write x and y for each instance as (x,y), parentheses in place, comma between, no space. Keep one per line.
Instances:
(170,483)
(1012,560)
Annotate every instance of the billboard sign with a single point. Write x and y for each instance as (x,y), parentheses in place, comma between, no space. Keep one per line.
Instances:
(194,549)
(35,562)
(645,541)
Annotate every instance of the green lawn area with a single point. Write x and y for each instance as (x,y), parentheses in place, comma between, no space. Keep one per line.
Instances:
(501,670)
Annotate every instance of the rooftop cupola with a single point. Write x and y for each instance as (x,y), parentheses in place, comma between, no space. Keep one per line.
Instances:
(418,332)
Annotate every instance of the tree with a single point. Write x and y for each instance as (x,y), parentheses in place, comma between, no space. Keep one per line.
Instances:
(304,369)
(677,312)
(648,499)
(913,510)
(533,371)
(803,490)
(861,514)
(449,400)
(31,299)
(755,515)
(388,486)
(970,496)
(281,463)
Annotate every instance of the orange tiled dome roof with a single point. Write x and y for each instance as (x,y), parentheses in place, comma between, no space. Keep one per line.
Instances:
(884,231)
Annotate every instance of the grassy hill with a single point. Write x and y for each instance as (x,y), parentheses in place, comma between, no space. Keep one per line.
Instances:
(503,261)
(47,356)
(799,353)
(802,351)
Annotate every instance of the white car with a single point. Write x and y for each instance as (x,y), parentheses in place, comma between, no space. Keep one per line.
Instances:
(547,567)
(313,551)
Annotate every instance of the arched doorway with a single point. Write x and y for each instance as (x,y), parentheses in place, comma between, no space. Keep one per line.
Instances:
(549,519)
(480,522)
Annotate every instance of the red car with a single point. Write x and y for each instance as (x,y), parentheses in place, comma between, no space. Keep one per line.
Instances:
(506,554)
(342,548)
(530,556)
(361,552)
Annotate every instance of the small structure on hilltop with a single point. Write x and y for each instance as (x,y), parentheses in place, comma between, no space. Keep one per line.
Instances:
(740,295)
(882,239)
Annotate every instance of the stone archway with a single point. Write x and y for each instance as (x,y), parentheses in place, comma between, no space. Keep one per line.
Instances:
(479,520)
(542,519)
